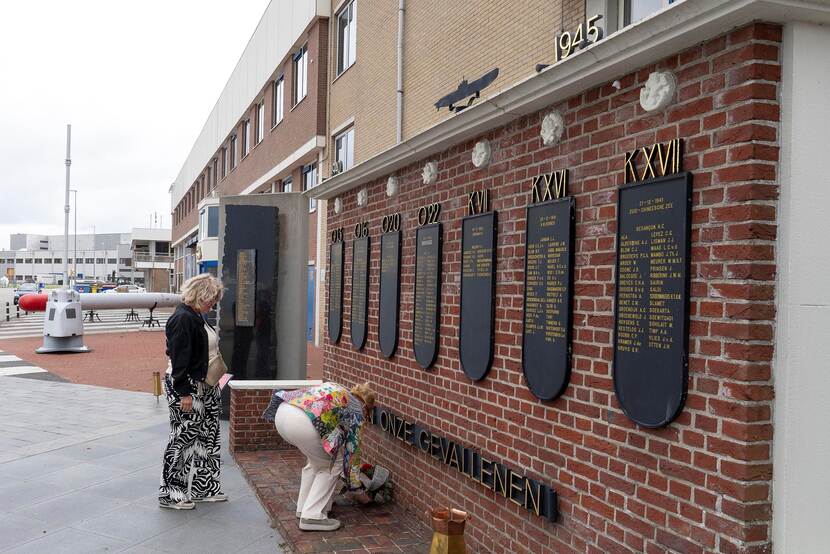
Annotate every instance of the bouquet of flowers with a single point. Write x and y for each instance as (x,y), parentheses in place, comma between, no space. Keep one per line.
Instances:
(376,485)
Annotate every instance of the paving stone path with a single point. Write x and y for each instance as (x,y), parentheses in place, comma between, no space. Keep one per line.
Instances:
(79,469)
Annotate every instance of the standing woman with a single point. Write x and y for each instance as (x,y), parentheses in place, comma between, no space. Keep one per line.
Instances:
(191,460)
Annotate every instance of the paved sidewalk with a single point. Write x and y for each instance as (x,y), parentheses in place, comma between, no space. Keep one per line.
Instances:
(79,469)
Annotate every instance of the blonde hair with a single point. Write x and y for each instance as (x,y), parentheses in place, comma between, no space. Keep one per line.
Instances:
(365,394)
(202,290)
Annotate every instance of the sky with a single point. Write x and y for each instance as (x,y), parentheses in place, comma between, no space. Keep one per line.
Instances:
(136,80)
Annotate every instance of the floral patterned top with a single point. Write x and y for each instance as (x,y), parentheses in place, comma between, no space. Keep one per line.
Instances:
(338,418)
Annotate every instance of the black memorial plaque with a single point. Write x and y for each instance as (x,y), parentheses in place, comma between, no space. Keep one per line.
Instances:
(426,320)
(245,287)
(478,294)
(360,291)
(335,291)
(247,312)
(651,327)
(390,292)
(546,342)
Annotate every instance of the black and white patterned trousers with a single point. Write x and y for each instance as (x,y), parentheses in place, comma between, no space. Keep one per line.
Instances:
(191,459)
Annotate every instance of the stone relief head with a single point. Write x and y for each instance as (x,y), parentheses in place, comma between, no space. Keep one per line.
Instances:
(391,186)
(362,197)
(338,205)
(481,154)
(658,91)
(430,173)
(553,127)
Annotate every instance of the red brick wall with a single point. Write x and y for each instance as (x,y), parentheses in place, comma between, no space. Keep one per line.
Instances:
(703,482)
(248,431)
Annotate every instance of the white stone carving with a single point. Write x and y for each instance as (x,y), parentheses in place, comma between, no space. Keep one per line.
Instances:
(338,205)
(553,127)
(482,154)
(362,197)
(430,173)
(392,186)
(658,92)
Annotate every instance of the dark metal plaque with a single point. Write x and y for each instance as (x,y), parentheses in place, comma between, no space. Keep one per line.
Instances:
(546,342)
(245,287)
(478,294)
(360,291)
(335,291)
(248,315)
(390,292)
(426,316)
(651,325)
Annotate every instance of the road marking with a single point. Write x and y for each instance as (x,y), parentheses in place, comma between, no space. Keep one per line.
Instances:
(20,370)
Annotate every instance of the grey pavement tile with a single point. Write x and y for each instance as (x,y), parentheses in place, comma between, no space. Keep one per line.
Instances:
(242,509)
(16,494)
(88,451)
(134,523)
(133,439)
(71,541)
(16,529)
(83,475)
(130,487)
(141,550)
(70,508)
(204,535)
(265,545)
(133,460)
(31,466)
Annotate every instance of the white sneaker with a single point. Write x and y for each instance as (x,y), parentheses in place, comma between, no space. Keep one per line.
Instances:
(319,524)
(218,497)
(180,505)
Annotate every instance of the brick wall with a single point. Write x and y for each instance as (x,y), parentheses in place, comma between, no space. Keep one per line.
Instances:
(704,482)
(443,43)
(300,123)
(248,431)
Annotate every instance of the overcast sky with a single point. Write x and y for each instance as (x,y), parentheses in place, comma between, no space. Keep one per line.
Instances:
(136,80)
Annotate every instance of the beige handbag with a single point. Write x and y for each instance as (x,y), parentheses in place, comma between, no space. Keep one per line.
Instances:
(216,369)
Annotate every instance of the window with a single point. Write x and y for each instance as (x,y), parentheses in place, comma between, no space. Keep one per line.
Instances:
(224,161)
(18,260)
(346,37)
(47,261)
(162,247)
(127,262)
(60,260)
(260,122)
(99,260)
(246,137)
(28,260)
(636,10)
(215,172)
(287,184)
(300,74)
(344,149)
(89,260)
(233,151)
(112,261)
(309,182)
(278,100)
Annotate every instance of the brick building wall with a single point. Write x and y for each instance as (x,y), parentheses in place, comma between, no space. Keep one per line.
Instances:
(443,43)
(300,123)
(703,483)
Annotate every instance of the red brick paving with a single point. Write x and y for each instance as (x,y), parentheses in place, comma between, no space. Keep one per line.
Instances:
(118,360)
(275,475)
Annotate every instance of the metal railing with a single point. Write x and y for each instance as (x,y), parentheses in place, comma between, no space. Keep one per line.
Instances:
(158,258)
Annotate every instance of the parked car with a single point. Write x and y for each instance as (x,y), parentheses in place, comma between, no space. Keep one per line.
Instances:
(25,288)
(126,288)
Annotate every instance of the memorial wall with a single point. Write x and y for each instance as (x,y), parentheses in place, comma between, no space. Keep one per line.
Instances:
(570,329)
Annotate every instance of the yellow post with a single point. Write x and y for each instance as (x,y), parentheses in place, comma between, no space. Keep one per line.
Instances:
(157,385)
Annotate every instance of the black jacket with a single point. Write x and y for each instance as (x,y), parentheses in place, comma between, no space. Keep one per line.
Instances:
(187,348)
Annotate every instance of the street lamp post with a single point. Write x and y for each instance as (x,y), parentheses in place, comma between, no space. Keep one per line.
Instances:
(75,257)
(66,212)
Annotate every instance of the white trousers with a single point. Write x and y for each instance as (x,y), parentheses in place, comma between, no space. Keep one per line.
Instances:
(321,474)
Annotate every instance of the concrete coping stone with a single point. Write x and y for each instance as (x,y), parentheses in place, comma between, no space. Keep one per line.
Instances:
(273,384)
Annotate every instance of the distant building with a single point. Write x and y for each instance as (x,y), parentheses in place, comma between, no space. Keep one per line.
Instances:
(142,257)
